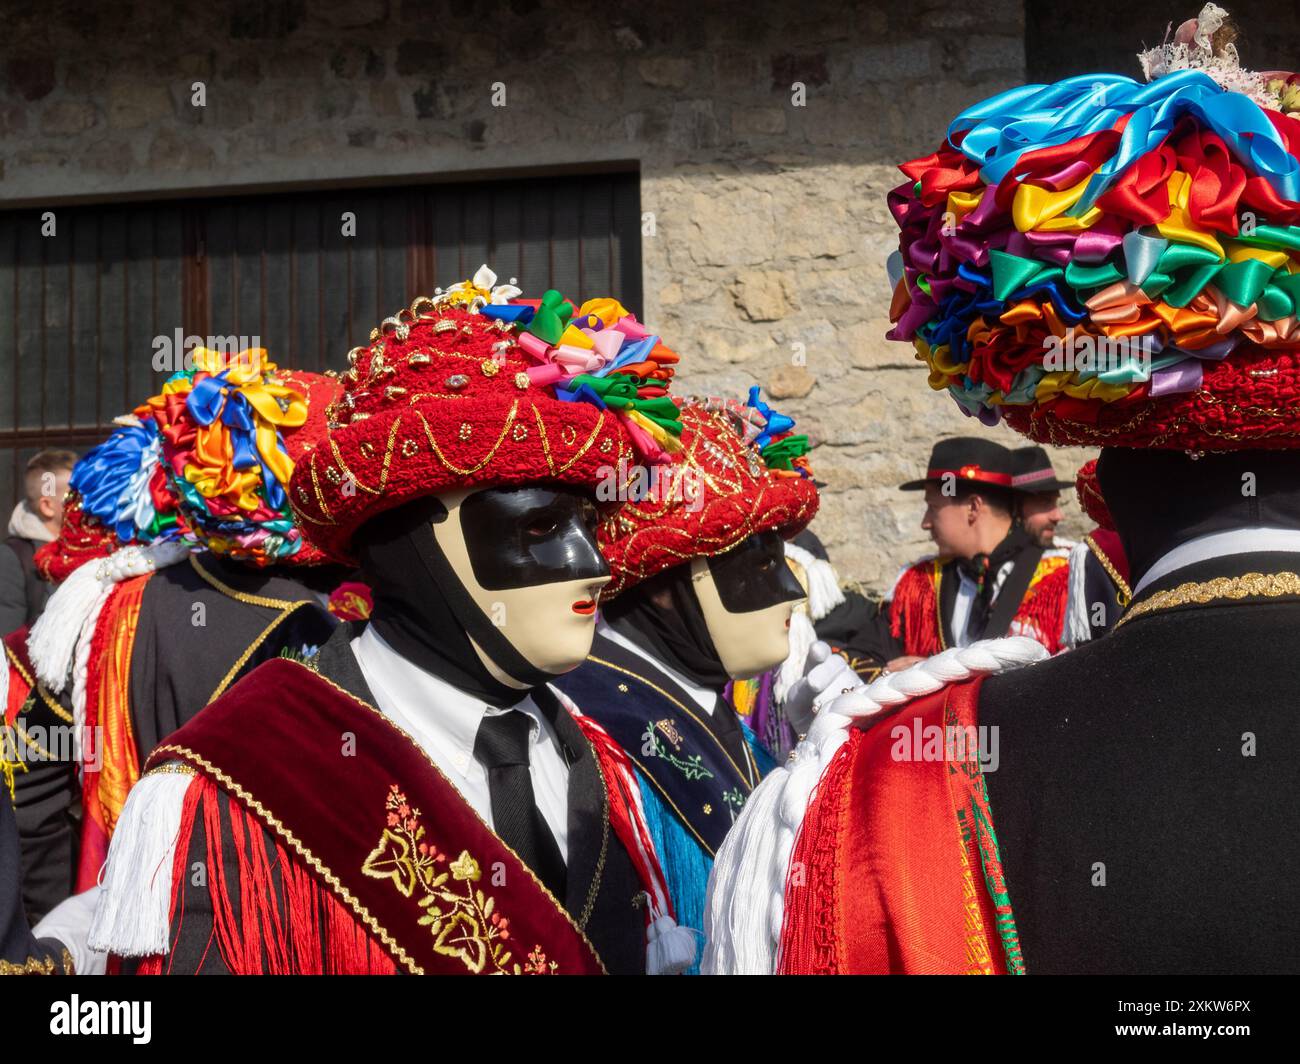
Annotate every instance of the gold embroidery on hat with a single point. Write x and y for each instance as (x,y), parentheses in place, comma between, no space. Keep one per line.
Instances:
(409,448)
(568,434)
(520,432)
(521,381)
(417,396)
(421,306)
(394,391)
(465,430)
(383,472)
(418,358)
(546,445)
(320,496)
(490,368)
(366,448)
(465,471)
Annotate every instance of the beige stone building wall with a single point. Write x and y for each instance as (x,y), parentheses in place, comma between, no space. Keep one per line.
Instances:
(769,218)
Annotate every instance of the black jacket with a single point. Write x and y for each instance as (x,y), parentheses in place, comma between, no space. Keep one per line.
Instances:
(1159,761)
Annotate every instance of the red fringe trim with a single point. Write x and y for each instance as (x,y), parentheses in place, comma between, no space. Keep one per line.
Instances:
(1044,609)
(914,611)
(809,942)
(294,927)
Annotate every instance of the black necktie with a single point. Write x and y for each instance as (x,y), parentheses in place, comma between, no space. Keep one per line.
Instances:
(502,748)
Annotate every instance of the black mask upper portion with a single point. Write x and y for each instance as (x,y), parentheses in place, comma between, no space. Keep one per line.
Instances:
(522,537)
(754,575)
(516,537)
(751,576)
(1159,499)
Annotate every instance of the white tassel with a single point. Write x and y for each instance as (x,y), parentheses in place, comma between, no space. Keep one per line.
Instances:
(134,915)
(824,592)
(790,671)
(1077,628)
(54,636)
(745,908)
(60,632)
(670,949)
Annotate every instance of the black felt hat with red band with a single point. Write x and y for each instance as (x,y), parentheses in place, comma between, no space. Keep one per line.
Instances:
(969,459)
(1036,475)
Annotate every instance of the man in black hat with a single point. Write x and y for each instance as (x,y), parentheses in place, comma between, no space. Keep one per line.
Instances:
(983,581)
(1039,501)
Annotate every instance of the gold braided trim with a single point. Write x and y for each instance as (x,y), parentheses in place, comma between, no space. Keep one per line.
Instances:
(173,768)
(52,705)
(249,650)
(599,874)
(241,596)
(746,776)
(29,742)
(1125,595)
(937,577)
(39,688)
(268,818)
(1221,588)
(44,966)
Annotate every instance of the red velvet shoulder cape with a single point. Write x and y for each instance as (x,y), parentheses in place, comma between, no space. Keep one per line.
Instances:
(367,812)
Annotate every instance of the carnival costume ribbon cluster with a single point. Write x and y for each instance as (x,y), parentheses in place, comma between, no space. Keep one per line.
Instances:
(222,422)
(596,353)
(1159,222)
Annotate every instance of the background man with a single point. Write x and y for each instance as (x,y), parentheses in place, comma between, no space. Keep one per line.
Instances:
(36,520)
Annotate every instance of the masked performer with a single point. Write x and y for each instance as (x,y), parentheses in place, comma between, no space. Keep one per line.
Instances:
(418,798)
(136,643)
(1130,827)
(701,596)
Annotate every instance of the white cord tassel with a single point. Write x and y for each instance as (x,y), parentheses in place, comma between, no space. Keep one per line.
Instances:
(1077,628)
(746,901)
(670,949)
(824,592)
(75,605)
(790,671)
(134,915)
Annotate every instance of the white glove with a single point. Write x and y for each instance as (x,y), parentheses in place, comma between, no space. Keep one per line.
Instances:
(826,675)
(69,923)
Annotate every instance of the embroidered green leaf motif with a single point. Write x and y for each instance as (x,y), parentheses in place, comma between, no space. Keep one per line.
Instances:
(692,767)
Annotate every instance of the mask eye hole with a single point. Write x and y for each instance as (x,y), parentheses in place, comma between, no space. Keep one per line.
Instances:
(542,525)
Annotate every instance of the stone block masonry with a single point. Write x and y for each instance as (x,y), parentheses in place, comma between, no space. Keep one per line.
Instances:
(770,230)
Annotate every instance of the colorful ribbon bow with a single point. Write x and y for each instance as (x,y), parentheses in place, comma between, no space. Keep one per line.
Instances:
(239,411)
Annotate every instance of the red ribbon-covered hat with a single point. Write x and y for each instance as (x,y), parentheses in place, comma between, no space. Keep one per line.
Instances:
(441,399)
(1090,497)
(718,491)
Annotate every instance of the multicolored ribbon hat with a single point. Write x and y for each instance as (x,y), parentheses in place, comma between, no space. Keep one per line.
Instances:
(118,495)
(232,429)
(1106,262)
(742,470)
(477,388)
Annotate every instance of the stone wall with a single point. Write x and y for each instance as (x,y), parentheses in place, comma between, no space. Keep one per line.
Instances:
(766,264)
